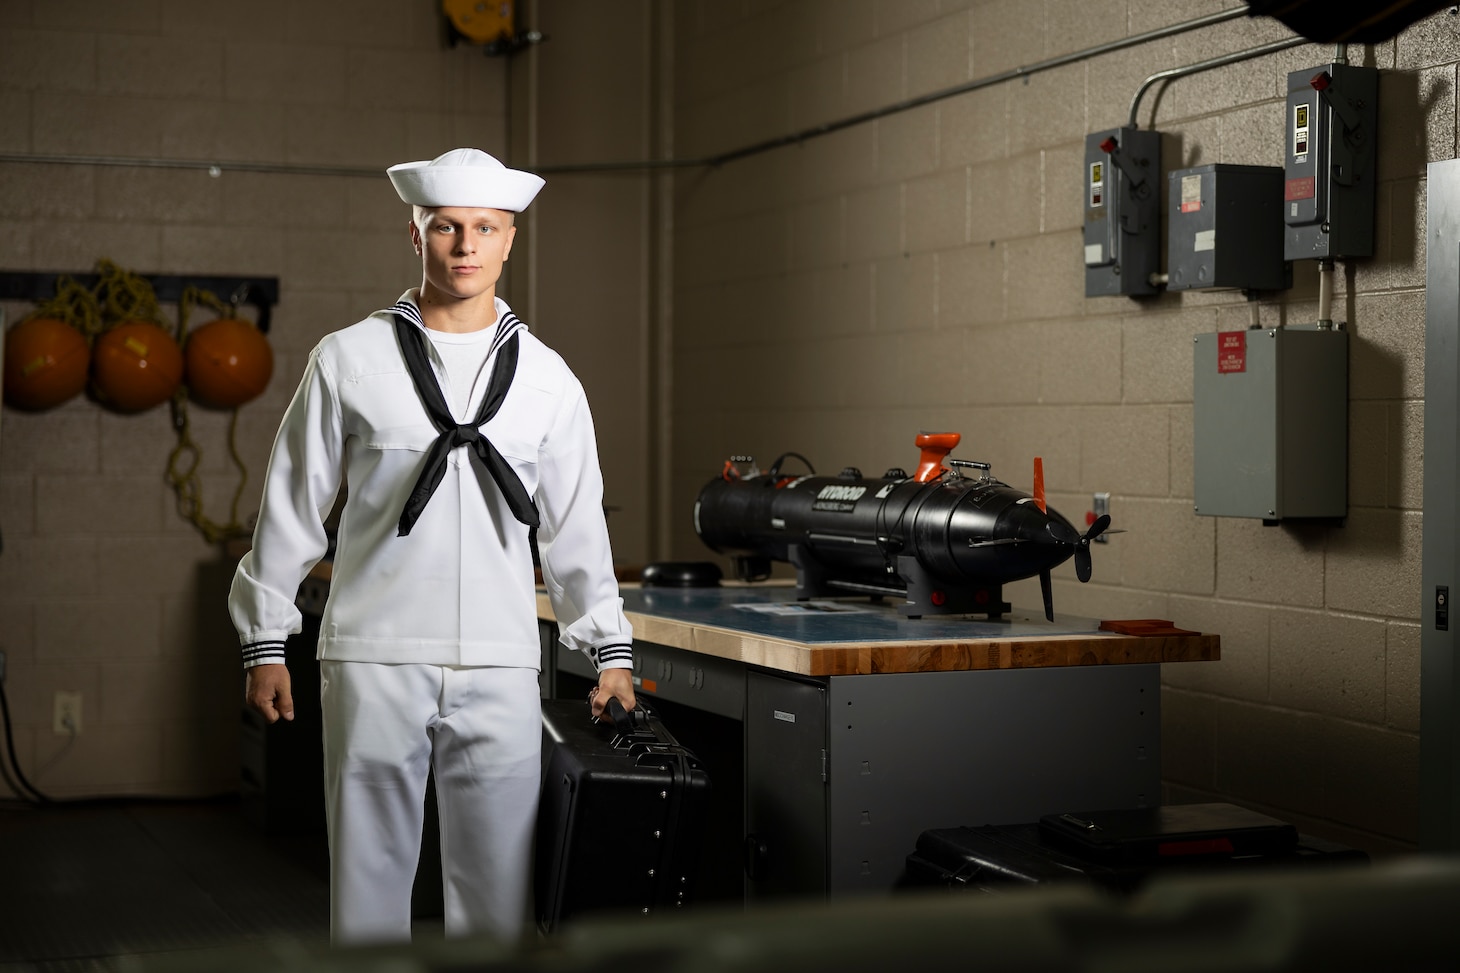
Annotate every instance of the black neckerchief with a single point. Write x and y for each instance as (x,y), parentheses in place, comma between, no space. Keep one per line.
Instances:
(454,434)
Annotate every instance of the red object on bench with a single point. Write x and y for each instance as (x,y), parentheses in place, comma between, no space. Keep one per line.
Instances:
(1143,626)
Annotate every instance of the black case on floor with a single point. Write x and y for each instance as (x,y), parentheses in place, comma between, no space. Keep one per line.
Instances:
(999,858)
(1152,835)
(620,819)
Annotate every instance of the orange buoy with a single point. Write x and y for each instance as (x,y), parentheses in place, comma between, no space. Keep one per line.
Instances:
(136,365)
(45,363)
(229,362)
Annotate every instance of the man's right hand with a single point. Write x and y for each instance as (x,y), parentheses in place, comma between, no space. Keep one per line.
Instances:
(266,689)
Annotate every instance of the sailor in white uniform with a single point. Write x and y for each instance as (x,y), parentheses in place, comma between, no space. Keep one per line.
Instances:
(456,432)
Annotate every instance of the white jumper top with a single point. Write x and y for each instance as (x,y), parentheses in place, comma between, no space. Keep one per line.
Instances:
(457,590)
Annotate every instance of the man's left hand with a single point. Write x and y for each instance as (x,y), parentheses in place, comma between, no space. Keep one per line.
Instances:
(612,682)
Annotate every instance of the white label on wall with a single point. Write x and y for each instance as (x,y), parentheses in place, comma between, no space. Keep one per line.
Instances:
(785,717)
(1205,240)
(1094,254)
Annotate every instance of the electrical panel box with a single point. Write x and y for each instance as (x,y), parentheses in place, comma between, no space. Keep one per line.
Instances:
(1225,229)
(1332,141)
(1122,212)
(1270,416)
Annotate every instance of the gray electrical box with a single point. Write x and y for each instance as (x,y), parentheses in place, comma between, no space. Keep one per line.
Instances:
(1271,423)
(1225,229)
(1122,212)
(1332,140)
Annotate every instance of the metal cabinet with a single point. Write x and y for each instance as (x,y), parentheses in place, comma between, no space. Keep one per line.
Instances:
(786,844)
(842,773)
(920,750)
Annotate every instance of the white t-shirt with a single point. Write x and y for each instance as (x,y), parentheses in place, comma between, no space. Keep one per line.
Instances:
(464,355)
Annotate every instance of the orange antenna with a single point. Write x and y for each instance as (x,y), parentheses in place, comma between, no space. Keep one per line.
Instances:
(935,446)
(1039,485)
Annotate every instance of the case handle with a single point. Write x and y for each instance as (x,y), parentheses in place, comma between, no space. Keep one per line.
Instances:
(628,723)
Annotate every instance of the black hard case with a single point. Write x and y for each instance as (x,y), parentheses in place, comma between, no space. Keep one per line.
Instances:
(620,818)
(1000,858)
(1154,835)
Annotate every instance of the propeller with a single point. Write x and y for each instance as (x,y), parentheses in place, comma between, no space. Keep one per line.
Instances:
(1046,588)
(1083,565)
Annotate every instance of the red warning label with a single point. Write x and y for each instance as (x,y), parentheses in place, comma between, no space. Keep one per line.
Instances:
(1231,351)
(1304,188)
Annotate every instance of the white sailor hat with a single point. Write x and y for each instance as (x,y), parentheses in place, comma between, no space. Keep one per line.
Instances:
(464,177)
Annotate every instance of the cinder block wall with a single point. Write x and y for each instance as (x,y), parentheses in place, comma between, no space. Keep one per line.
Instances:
(924,271)
(103,587)
(834,297)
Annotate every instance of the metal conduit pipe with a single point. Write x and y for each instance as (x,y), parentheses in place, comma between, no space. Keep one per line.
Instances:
(1325,294)
(217,168)
(1215,62)
(993,79)
(212,168)
(303,169)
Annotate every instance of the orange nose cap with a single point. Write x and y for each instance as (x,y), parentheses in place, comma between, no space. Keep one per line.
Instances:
(935,446)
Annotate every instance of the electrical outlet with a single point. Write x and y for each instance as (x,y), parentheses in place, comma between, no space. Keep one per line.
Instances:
(67,715)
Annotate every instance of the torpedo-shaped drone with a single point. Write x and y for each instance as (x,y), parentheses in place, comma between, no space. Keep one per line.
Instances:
(945,539)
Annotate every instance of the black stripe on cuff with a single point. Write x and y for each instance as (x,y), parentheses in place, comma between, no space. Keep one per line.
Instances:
(260,653)
(622,652)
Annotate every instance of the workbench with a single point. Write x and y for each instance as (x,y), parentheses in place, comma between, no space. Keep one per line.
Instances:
(855,729)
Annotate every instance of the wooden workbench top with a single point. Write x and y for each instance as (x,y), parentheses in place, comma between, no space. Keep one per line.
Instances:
(681,619)
(714,627)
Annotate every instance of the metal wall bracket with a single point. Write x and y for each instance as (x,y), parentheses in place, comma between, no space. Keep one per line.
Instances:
(261,292)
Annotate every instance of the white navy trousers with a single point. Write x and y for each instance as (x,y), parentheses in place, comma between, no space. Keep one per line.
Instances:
(479,729)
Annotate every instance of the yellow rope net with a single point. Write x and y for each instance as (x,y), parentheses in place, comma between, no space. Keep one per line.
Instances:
(120,295)
(125,296)
(182,464)
(74,304)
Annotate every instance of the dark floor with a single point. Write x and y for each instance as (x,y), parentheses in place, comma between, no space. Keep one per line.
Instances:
(179,887)
(86,888)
